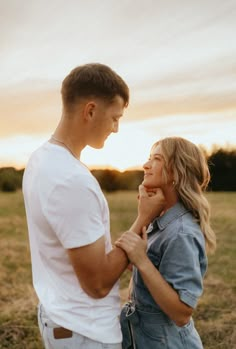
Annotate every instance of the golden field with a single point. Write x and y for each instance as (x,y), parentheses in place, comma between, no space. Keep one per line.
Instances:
(215,316)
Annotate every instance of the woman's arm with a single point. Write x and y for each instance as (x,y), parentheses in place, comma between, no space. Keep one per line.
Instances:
(163,294)
(98,278)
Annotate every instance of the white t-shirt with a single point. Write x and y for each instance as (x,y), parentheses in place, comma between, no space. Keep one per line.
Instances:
(66,208)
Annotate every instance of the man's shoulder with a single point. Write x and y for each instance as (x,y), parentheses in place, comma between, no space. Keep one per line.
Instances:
(55,167)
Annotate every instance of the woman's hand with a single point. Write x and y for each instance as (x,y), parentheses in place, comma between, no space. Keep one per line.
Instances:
(134,245)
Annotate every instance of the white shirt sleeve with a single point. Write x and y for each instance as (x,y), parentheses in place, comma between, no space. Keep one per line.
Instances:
(75,211)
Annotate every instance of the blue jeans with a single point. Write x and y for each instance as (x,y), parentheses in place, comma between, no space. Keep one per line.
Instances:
(143,329)
(73,341)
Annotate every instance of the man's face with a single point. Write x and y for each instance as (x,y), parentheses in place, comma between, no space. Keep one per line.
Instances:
(105,121)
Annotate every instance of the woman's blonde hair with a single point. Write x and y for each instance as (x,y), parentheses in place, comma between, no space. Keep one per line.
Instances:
(191,175)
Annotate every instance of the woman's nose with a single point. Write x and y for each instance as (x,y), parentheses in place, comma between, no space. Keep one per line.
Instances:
(146,165)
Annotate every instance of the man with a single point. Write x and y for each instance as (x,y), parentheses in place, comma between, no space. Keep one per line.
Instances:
(75,269)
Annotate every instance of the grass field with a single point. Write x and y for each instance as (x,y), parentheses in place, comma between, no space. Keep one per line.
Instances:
(215,316)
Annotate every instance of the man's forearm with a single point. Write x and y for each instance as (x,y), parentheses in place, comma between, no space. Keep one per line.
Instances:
(117,261)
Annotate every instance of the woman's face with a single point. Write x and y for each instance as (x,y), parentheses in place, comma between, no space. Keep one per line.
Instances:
(153,169)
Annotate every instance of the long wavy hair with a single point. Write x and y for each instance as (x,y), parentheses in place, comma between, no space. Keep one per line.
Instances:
(191,175)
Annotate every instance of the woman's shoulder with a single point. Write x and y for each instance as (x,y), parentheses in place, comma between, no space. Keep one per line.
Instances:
(185,225)
(181,224)
(178,219)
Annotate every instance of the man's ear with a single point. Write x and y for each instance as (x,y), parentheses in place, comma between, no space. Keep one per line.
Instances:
(89,110)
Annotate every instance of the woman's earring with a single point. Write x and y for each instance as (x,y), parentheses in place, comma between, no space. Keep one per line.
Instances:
(173,183)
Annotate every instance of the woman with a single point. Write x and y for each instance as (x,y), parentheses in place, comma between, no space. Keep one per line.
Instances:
(170,264)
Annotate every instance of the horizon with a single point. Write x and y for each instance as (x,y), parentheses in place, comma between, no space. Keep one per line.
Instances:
(209,152)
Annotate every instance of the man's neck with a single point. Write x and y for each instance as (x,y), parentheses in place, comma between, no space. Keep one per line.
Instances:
(70,135)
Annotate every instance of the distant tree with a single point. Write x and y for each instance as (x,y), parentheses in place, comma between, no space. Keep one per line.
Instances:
(8,185)
(111,180)
(10,179)
(222,165)
(130,180)
(108,179)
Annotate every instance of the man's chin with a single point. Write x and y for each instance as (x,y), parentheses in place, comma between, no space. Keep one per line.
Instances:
(97,145)
(100,146)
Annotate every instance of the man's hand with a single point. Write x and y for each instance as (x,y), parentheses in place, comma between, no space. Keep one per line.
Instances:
(151,203)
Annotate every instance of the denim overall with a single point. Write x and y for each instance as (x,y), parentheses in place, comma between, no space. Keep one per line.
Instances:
(176,247)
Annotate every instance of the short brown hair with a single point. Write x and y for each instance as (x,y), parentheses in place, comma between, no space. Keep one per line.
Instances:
(93,80)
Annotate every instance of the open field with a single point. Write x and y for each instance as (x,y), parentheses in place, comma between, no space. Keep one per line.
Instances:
(215,316)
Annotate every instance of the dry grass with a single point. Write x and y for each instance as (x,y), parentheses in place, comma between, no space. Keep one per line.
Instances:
(215,316)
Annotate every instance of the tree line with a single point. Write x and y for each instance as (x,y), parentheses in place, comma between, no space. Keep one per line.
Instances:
(222,164)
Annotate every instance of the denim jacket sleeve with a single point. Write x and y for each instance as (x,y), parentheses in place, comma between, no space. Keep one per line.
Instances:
(183,266)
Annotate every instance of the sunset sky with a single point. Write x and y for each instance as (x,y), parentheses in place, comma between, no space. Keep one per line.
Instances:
(177,56)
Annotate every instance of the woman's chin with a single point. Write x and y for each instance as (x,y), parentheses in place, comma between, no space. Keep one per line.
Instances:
(147,185)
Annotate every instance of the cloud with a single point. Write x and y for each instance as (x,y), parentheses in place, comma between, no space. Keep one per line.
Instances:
(178,57)
(30,108)
(134,139)
(42,39)
(34,107)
